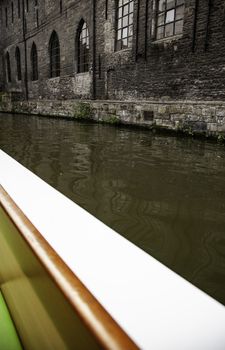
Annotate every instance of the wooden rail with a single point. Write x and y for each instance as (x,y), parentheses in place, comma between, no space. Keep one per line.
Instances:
(99,324)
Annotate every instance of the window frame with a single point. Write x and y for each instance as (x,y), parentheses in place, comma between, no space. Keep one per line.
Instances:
(177,4)
(121,7)
(83,53)
(18,64)
(34,62)
(55,59)
(8,67)
(36,12)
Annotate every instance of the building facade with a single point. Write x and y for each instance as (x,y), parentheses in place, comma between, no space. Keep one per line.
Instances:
(121,50)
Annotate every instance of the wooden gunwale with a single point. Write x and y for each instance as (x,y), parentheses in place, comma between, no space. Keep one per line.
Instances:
(103,327)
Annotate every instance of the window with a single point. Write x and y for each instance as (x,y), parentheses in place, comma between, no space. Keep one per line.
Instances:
(18,6)
(34,63)
(12,11)
(54,51)
(6,17)
(169,18)
(124,32)
(106,9)
(27,5)
(18,63)
(37,18)
(8,67)
(83,48)
(36,12)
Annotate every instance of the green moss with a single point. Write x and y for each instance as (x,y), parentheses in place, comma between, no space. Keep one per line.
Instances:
(82,111)
(184,129)
(189,131)
(112,119)
(1,97)
(221,138)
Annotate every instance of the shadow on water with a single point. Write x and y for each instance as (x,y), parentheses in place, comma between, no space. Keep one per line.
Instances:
(165,194)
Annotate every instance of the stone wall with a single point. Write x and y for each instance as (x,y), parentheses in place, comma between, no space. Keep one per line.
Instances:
(70,84)
(189,117)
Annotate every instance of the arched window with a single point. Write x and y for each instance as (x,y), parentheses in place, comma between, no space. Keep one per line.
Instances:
(18,64)
(54,51)
(124,30)
(34,63)
(8,67)
(83,47)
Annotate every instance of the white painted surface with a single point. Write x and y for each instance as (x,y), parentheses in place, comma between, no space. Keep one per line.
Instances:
(156,307)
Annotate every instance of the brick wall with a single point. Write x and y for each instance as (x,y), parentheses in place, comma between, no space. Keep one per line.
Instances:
(186,67)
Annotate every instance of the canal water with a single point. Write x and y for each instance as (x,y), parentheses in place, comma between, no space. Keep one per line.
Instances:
(164,194)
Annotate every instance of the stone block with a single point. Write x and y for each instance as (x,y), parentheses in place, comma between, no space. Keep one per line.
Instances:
(212,127)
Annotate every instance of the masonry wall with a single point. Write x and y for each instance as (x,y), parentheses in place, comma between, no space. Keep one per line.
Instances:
(38,30)
(182,67)
(190,66)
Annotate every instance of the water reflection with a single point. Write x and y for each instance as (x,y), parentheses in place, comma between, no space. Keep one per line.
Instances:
(165,194)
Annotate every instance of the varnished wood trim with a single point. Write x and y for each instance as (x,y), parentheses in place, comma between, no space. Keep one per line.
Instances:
(107,332)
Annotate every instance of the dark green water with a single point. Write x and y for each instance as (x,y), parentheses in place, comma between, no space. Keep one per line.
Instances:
(165,194)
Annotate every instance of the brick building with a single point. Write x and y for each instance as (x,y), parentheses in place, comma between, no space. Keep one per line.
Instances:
(159,51)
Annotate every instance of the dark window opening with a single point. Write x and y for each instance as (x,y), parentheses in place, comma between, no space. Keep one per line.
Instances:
(170,17)
(99,67)
(6,17)
(124,26)
(18,5)
(83,48)
(8,68)
(34,63)
(12,10)
(36,12)
(37,17)
(27,5)
(54,51)
(60,6)
(25,25)
(18,64)
(106,9)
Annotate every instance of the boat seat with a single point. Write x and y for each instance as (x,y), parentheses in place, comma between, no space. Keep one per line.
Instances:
(9,339)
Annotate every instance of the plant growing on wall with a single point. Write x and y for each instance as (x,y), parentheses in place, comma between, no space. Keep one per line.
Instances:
(82,110)
(112,119)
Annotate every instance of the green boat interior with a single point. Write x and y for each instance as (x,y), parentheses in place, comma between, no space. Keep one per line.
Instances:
(8,335)
(35,310)
(31,297)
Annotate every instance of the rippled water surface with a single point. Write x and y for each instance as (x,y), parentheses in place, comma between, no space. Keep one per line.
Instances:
(165,194)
